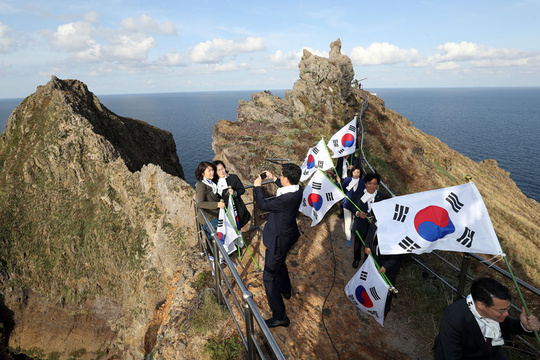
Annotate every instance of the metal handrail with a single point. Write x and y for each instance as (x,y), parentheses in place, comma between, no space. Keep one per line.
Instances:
(463,270)
(250,310)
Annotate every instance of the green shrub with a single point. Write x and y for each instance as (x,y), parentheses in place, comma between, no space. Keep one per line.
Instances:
(227,349)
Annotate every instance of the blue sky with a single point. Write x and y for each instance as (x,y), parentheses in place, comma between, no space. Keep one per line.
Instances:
(120,47)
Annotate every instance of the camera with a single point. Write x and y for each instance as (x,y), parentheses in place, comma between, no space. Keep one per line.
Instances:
(263,175)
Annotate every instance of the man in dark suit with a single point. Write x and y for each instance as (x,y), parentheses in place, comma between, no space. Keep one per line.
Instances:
(475,327)
(279,235)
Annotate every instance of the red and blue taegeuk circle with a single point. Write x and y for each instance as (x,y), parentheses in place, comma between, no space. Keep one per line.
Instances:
(433,223)
(347,140)
(363,297)
(315,201)
(310,162)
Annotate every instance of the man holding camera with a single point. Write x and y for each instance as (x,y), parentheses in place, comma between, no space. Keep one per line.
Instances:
(279,235)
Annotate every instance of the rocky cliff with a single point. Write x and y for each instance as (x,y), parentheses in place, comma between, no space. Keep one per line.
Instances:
(94,216)
(409,161)
(92,234)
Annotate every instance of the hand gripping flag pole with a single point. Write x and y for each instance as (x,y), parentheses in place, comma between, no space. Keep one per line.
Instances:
(520,295)
(469,179)
(239,233)
(392,288)
(334,167)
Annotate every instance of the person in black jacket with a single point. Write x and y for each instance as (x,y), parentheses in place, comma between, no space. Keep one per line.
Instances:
(475,327)
(279,235)
(390,265)
(231,184)
(362,221)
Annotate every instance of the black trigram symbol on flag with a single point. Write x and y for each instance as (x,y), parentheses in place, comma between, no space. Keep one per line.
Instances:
(304,203)
(220,223)
(341,151)
(315,150)
(306,171)
(363,275)
(320,163)
(408,245)
(352,128)
(335,142)
(466,238)
(315,215)
(316,185)
(329,197)
(374,294)
(454,202)
(400,212)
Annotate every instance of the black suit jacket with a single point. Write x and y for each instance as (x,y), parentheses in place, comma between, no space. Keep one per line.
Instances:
(243,213)
(281,230)
(460,336)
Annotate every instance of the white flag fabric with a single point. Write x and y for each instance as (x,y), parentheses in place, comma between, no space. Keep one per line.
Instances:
(368,290)
(344,141)
(226,229)
(318,197)
(452,219)
(317,158)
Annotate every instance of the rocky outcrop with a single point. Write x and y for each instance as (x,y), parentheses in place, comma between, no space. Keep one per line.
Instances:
(94,214)
(271,127)
(408,160)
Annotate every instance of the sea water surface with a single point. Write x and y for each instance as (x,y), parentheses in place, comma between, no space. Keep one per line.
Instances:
(481,123)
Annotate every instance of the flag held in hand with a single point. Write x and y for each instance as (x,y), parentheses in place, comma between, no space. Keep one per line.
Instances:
(451,219)
(317,158)
(318,197)
(344,141)
(368,290)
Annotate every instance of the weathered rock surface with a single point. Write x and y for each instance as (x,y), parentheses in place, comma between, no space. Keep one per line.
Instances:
(94,214)
(409,161)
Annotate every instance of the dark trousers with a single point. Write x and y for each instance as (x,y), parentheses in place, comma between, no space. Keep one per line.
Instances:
(276,281)
(208,234)
(361,226)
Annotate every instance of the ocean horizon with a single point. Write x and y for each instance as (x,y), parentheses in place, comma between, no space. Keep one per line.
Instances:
(480,123)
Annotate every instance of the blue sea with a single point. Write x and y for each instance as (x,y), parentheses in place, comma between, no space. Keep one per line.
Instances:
(481,123)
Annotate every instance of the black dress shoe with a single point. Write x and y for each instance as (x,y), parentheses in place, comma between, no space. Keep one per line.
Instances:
(355,264)
(271,323)
(286,295)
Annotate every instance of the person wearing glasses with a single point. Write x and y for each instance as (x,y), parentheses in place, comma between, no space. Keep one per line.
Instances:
(279,235)
(476,327)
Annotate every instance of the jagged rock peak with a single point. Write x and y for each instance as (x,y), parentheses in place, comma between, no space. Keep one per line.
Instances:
(336,70)
(68,104)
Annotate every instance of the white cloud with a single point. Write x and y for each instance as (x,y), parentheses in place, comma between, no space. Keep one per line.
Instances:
(7,42)
(172,58)
(447,65)
(384,54)
(74,36)
(216,50)
(463,51)
(286,60)
(146,24)
(130,48)
(93,53)
(91,17)
(291,59)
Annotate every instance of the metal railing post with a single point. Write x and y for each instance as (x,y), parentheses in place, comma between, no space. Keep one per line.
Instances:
(217,272)
(463,275)
(249,326)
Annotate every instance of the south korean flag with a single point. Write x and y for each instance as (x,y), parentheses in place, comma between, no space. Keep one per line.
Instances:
(451,219)
(368,290)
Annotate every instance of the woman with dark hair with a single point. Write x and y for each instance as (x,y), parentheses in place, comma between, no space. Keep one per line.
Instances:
(231,184)
(351,185)
(362,221)
(207,196)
